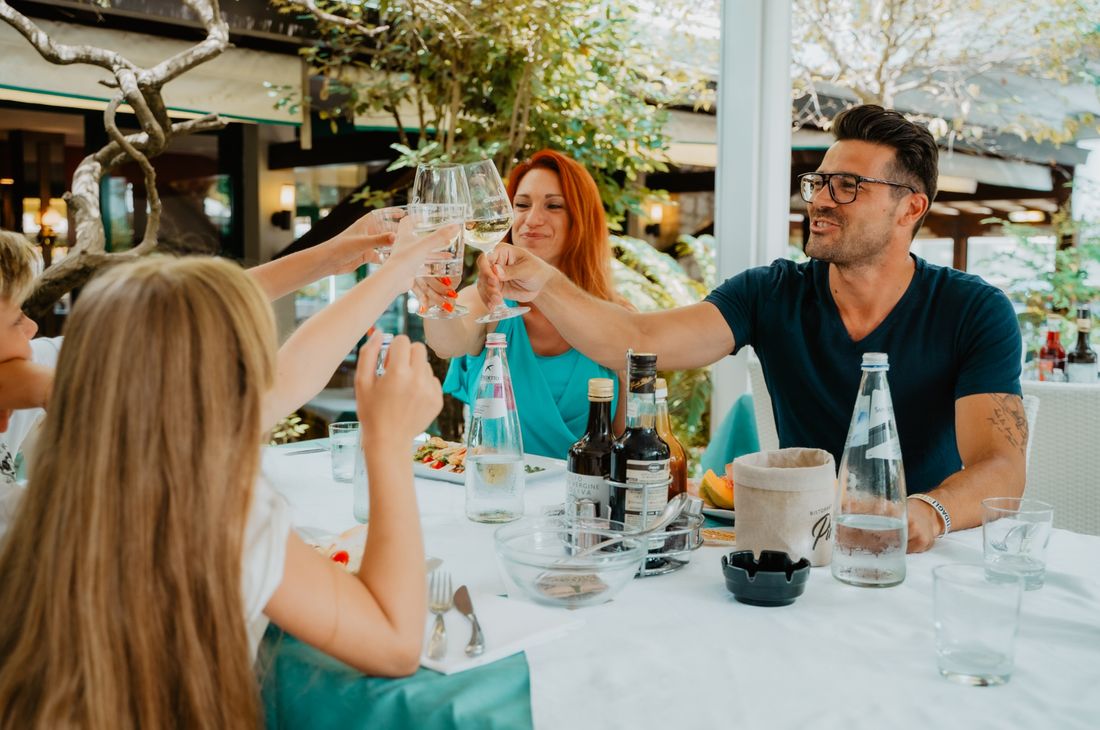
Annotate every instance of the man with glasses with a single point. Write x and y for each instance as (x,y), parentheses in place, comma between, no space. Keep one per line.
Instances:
(953,341)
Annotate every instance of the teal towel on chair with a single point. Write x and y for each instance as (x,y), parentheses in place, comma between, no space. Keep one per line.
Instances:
(736,436)
(304,688)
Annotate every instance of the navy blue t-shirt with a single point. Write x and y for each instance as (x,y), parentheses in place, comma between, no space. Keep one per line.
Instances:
(951,335)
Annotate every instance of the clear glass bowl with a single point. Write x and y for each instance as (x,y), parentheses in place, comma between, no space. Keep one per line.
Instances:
(537,558)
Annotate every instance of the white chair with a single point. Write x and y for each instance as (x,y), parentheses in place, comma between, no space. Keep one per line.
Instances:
(1031,412)
(1063,465)
(762,407)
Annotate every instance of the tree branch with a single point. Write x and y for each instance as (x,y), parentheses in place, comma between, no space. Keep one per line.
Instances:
(60,53)
(349,23)
(152,223)
(217,40)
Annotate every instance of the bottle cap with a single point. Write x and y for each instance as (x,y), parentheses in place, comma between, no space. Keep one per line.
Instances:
(601,389)
(496,339)
(1052,323)
(642,362)
(875,359)
(662,389)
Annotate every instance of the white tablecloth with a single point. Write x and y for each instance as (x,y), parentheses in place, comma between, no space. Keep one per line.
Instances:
(677,651)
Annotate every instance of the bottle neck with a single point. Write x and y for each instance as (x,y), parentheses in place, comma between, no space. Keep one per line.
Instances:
(661,413)
(599,418)
(1082,339)
(1053,338)
(641,410)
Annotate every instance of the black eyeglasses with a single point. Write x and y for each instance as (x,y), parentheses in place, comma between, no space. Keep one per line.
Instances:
(843,186)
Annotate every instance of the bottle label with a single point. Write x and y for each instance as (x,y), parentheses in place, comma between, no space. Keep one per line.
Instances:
(490,408)
(631,408)
(493,372)
(649,494)
(879,419)
(585,486)
(1081,372)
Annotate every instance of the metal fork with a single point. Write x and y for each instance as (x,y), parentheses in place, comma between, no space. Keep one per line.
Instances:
(440,601)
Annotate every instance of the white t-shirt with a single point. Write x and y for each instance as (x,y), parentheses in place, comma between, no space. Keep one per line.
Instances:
(264,556)
(44,351)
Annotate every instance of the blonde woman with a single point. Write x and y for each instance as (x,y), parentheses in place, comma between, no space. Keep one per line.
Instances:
(146,547)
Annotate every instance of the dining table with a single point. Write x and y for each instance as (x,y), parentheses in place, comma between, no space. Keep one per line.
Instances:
(678,651)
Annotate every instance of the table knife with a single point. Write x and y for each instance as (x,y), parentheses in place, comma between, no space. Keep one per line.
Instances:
(477,640)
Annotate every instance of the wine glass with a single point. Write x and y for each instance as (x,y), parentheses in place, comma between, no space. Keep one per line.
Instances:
(489,221)
(426,218)
(443,183)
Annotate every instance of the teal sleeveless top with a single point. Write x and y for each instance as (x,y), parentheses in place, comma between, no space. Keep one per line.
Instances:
(551,392)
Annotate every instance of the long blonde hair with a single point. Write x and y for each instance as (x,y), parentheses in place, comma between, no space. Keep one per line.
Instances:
(122,601)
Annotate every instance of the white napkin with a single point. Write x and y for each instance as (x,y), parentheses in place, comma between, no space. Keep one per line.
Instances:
(509,626)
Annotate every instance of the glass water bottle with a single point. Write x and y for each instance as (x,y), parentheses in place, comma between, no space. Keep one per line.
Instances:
(494,447)
(871,521)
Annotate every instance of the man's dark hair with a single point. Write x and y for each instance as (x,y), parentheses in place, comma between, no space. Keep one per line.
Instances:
(916,157)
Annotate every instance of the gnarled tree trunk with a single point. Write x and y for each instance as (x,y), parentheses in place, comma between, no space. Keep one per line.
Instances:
(140,88)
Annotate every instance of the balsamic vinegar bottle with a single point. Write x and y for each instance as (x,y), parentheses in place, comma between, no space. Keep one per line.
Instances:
(639,458)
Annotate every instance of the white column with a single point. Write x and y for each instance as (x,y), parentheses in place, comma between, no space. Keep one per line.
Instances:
(752,196)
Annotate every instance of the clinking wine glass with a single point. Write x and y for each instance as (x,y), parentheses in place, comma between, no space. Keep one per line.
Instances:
(489,221)
(426,218)
(443,183)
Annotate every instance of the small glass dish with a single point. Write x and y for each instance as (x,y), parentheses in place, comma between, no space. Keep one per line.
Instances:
(537,559)
(773,580)
(670,549)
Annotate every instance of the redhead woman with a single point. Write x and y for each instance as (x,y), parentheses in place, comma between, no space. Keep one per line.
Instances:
(147,550)
(558,217)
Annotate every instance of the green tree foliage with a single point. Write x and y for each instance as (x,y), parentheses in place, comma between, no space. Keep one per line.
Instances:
(477,79)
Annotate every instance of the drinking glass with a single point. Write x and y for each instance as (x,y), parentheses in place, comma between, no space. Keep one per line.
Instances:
(426,218)
(386,220)
(1015,534)
(976,618)
(343,440)
(489,221)
(441,182)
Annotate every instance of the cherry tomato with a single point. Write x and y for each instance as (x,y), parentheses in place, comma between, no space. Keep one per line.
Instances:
(341,556)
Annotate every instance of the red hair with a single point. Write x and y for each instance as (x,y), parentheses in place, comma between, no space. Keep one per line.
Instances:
(586,259)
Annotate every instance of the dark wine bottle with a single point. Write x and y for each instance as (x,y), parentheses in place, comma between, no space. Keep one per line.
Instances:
(589,462)
(1081,364)
(639,458)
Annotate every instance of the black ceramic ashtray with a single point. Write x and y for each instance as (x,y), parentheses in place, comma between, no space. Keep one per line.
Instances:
(774,580)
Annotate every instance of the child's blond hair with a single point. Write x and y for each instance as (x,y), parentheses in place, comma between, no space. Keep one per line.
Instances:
(16,266)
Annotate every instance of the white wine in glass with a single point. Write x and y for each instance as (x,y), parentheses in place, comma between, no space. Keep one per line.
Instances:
(489,221)
(443,183)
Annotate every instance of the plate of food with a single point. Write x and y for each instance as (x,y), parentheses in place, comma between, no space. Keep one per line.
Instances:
(717,495)
(436,458)
(346,549)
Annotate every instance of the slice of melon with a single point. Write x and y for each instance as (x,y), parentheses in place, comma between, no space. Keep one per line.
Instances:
(718,490)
